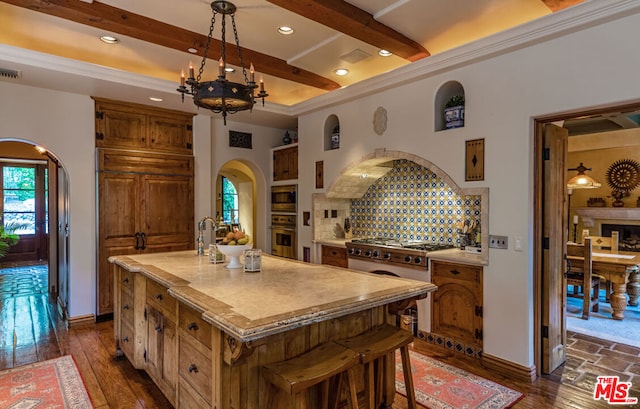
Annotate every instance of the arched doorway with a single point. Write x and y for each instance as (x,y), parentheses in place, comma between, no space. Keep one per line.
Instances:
(34,189)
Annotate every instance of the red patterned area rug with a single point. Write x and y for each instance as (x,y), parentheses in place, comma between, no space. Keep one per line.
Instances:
(55,383)
(442,386)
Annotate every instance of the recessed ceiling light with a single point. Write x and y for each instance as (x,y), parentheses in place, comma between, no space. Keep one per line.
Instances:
(384,53)
(341,71)
(156,99)
(285,30)
(109,39)
(192,50)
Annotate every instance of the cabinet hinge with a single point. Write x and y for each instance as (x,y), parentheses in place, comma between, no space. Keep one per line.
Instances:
(478,311)
(189,127)
(145,313)
(478,334)
(99,115)
(545,243)
(189,145)
(546,154)
(545,331)
(99,135)
(144,355)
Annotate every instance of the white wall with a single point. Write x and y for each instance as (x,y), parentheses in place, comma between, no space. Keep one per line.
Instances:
(63,123)
(584,69)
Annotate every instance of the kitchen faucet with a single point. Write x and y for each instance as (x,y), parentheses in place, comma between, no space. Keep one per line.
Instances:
(202,226)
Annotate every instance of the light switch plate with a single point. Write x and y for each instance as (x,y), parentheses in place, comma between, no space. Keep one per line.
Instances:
(498,242)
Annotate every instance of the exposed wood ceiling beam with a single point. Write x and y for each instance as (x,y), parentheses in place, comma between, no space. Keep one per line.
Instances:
(357,23)
(557,5)
(123,22)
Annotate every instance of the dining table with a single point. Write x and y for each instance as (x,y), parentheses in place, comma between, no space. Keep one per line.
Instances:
(622,270)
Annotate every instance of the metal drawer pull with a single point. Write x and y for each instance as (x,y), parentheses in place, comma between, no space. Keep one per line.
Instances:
(158,329)
(193,368)
(193,326)
(125,339)
(125,307)
(126,280)
(159,297)
(455,272)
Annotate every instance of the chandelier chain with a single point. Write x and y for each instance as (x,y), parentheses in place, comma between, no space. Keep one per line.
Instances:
(235,33)
(206,47)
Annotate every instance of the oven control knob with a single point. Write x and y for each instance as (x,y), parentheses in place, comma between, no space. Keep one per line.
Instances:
(376,253)
(358,252)
(387,256)
(417,260)
(351,250)
(407,259)
(367,253)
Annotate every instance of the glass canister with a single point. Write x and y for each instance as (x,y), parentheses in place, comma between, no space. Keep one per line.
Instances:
(252,260)
(215,256)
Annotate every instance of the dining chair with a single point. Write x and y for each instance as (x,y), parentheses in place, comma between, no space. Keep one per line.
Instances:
(579,273)
(604,244)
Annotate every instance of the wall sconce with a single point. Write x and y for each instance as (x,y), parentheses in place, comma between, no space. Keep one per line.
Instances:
(582,181)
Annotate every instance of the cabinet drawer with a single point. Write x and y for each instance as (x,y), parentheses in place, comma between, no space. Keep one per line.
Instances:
(451,271)
(158,296)
(126,280)
(126,341)
(190,321)
(188,398)
(335,256)
(196,368)
(127,307)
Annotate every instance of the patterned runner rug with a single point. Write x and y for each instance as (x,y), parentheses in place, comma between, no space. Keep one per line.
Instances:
(55,383)
(442,386)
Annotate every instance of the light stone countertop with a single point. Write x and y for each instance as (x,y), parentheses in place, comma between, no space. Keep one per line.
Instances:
(286,294)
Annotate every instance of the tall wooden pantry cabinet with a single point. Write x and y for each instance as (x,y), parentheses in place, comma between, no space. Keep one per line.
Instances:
(144,159)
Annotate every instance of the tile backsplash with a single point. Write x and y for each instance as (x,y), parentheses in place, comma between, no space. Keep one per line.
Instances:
(412,203)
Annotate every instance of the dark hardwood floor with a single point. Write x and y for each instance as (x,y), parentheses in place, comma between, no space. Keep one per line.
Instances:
(31,330)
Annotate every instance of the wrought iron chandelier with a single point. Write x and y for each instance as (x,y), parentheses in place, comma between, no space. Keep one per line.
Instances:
(221,95)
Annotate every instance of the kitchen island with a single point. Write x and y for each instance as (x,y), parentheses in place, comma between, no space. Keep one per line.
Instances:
(203,331)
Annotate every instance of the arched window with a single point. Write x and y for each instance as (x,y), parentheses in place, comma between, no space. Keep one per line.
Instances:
(229,201)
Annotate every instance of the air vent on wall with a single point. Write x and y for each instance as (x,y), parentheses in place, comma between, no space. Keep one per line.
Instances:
(355,56)
(11,74)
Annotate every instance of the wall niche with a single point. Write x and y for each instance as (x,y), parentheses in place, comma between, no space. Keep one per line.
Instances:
(449,106)
(332,133)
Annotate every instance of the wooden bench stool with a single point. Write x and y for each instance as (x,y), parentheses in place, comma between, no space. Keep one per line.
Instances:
(296,375)
(376,345)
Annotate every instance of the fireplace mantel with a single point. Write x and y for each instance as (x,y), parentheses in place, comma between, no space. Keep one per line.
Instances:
(589,214)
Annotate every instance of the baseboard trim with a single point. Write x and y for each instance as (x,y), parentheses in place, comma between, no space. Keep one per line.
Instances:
(508,368)
(80,320)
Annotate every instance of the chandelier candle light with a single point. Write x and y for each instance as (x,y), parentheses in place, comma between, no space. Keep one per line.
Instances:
(221,95)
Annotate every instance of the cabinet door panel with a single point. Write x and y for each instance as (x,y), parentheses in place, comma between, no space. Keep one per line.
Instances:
(454,312)
(167,212)
(170,134)
(121,129)
(117,214)
(153,364)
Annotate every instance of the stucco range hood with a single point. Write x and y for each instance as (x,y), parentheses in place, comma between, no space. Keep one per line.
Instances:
(355,182)
(589,214)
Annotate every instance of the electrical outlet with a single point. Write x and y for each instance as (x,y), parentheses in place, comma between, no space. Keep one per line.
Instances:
(498,242)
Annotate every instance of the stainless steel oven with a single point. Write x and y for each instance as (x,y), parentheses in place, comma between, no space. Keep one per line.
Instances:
(283,236)
(284,198)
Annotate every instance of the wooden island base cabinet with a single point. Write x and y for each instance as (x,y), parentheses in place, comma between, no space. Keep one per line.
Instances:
(184,321)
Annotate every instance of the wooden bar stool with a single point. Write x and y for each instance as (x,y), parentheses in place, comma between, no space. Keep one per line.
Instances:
(376,345)
(296,375)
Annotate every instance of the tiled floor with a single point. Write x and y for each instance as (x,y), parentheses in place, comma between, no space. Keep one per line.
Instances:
(589,357)
(25,280)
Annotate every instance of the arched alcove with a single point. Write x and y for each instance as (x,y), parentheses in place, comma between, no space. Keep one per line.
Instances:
(443,98)
(331,133)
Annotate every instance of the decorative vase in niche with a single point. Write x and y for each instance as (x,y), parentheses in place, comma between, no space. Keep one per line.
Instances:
(287,138)
(335,138)
(454,116)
